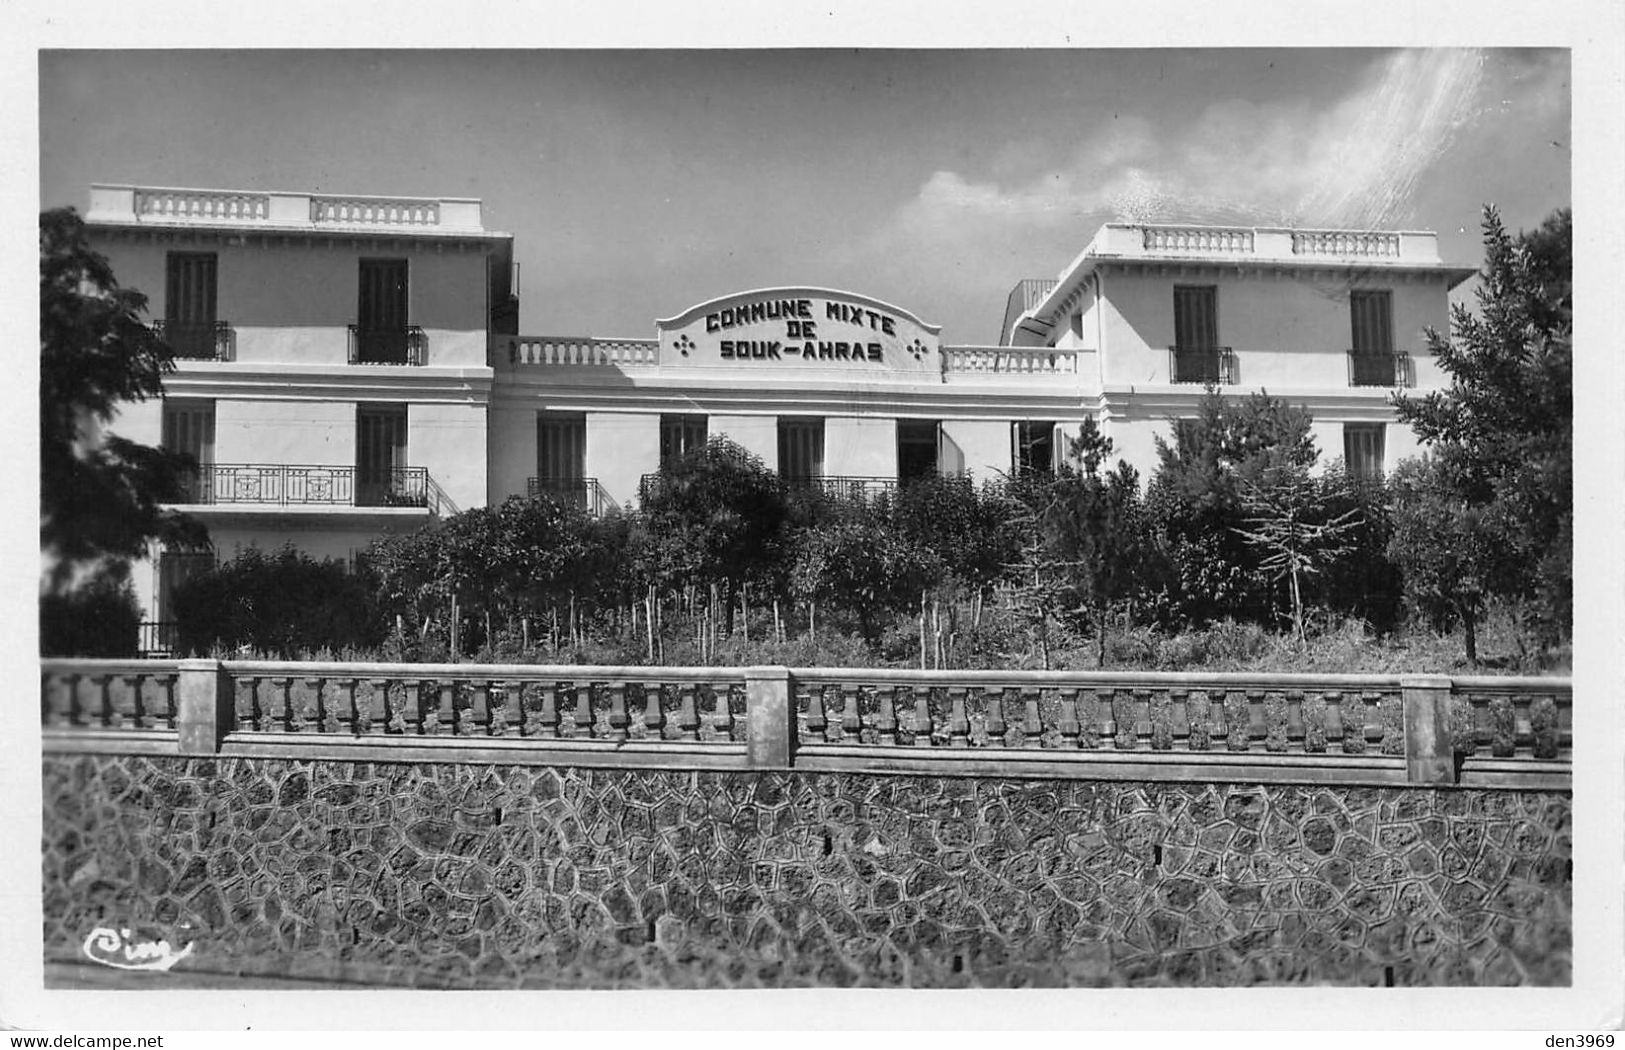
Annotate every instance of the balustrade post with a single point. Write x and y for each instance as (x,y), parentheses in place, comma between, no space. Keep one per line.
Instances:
(769,717)
(1429,749)
(207,707)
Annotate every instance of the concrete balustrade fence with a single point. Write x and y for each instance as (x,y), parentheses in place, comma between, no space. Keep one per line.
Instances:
(517,826)
(1433,730)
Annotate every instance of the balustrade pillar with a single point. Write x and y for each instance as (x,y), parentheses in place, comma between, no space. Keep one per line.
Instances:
(207,707)
(1429,749)
(769,717)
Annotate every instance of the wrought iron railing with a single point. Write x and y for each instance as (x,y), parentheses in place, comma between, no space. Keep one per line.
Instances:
(158,639)
(406,345)
(580,492)
(198,340)
(839,487)
(827,486)
(316,485)
(1201,364)
(1386,370)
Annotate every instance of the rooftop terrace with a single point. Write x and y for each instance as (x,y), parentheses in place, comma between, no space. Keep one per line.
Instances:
(171,206)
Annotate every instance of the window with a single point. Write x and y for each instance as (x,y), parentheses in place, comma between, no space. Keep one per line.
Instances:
(801,448)
(1363,449)
(1371,315)
(380,443)
(381,331)
(1372,361)
(680,435)
(189,428)
(1196,356)
(1034,451)
(1196,317)
(190,285)
(561,457)
(917,449)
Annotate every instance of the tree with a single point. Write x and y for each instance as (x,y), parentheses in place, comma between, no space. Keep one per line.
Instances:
(1501,433)
(715,516)
(1291,524)
(1093,531)
(962,526)
(1194,501)
(1447,547)
(863,566)
(101,495)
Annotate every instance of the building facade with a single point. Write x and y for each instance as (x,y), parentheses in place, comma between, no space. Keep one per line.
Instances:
(351,366)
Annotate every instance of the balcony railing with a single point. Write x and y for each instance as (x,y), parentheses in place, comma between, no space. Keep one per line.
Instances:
(158,639)
(573,350)
(578,492)
(1201,364)
(198,340)
(856,489)
(826,485)
(406,345)
(1009,360)
(315,485)
(1207,240)
(1358,243)
(1384,370)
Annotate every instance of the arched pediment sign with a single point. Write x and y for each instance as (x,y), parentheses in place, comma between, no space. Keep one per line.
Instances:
(805,330)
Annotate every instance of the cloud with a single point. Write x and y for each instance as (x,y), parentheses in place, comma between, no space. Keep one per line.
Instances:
(1355,163)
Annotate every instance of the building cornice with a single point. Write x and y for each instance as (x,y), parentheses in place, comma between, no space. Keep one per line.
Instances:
(238,380)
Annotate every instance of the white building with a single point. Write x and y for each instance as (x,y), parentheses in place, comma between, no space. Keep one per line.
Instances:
(331,373)
(350,364)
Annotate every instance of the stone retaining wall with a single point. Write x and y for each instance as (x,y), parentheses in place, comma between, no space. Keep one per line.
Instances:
(501,876)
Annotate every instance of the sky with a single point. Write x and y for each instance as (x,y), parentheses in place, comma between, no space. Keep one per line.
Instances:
(638,183)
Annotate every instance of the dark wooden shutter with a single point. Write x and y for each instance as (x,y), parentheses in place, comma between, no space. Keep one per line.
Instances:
(190,288)
(383,295)
(189,303)
(381,313)
(1196,317)
(1372,318)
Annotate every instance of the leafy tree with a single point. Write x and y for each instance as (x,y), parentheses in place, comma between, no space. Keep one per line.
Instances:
(1194,501)
(1291,524)
(863,566)
(964,527)
(100,495)
(715,516)
(1092,533)
(1501,434)
(1366,583)
(1448,548)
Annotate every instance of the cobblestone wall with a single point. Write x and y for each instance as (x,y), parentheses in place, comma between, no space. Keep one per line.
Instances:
(497,877)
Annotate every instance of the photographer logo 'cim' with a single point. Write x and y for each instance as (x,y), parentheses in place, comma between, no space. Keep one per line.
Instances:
(131,950)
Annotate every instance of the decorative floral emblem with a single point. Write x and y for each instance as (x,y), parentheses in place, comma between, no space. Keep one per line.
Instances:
(916,348)
(684,344)
(127,949)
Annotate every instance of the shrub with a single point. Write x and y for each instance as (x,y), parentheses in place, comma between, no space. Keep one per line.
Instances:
(277,603)
(99,617)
